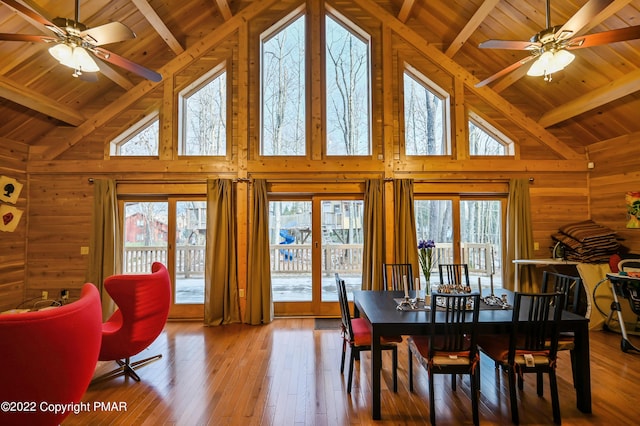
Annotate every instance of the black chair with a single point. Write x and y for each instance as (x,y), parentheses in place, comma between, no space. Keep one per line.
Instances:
(570,286)
(452,349)
(356,334)
(531,347)
(454,274)
(393,274)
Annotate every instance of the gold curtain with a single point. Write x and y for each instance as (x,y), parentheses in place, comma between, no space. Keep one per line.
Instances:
(259,303)
(405,246)
(373,226)
(221,303)
(105,254)
(519,236)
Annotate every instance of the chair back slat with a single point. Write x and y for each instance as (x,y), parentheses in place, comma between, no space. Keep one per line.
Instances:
(569,285)
(457,322)
(393,274)
(344,307)
(454,274)
(535,323)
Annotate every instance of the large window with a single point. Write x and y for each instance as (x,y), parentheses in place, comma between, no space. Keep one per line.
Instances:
(140,139)
(426,116)
(347,86)
(485,139)
(204,116)
(283,91)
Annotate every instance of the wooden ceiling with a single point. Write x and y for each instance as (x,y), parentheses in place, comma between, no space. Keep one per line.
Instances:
(597,97)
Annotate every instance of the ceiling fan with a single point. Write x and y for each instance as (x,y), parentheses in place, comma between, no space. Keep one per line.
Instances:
(551,47)
(73,42)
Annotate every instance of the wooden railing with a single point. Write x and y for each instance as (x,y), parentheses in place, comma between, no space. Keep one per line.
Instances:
(296,258)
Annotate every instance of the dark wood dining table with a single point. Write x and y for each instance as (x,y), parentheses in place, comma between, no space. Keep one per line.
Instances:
(379,308)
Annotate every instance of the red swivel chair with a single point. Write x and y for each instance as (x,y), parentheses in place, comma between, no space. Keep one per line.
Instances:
(48,357)
(143,302)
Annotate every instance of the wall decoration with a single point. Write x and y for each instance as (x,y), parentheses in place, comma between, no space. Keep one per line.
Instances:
(9,189)
(633,209)
(9,218)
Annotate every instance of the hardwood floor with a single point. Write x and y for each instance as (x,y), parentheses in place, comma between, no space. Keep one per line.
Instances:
(288,373)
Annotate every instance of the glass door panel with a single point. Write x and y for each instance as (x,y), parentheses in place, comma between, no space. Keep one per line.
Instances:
(342,242)
(191,236)
(290,245)
(145,236)
(481,241)
(434,221)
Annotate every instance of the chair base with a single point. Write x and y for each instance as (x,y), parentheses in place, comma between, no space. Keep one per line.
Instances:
(126,368)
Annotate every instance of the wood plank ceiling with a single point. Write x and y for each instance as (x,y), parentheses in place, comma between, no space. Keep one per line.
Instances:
(596,98)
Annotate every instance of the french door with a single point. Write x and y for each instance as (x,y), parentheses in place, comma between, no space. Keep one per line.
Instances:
(465,229)
(311,239)
(170,230)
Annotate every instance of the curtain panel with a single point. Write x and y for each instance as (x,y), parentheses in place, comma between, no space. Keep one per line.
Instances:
(519,236)
(373,230)
(221,302)
(405,247)
(105,250)
(259,300)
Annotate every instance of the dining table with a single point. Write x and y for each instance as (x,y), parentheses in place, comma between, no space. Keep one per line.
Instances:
(385,319)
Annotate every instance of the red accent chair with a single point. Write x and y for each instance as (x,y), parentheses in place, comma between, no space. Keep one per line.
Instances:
(48,357)
(143,302)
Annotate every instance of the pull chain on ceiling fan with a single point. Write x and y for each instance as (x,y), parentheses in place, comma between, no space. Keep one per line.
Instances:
(551,47)
(76,45)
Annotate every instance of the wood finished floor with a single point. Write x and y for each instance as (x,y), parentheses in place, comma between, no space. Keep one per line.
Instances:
(287,373)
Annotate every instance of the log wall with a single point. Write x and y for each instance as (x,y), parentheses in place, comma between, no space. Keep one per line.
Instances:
(60,196)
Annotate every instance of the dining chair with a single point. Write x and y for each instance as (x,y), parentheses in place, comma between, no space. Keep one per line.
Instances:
(570,286)
(450,347)
(454,274)
(356,334)
(531,347)
(393,274)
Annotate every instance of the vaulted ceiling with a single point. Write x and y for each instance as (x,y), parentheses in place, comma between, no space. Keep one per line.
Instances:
(597,97)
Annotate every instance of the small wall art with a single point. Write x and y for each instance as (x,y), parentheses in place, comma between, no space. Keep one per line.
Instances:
(633,209)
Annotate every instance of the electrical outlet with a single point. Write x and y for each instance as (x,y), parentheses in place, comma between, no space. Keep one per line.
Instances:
(536,246)
(84,250)
(45,295)
(241,292)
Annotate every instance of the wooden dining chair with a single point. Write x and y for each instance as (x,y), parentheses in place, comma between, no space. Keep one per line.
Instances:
(450,347)
(356,334)
(571,287)
(393,274)
(531,347)
(454,274)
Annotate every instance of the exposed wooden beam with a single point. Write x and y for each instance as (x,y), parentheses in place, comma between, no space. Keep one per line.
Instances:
(225,11)
(451,67)
(55,148)
(470,27)
(625,85)
(405,10)
(26,97)
(150,15)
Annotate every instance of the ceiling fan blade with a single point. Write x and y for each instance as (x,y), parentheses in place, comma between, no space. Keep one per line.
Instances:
(28,12)
(27,37)
(509,45)
(605,37)
(89,77)
(112,32)
(505,71)
(118,60)
(581,18)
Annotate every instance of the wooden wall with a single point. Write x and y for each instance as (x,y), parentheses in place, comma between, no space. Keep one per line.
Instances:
(13,163)
(60,196)
(616,172)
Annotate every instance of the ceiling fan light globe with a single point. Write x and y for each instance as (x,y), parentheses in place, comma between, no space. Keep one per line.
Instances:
(83,61)
(61,52)
(560,60)
(541,65)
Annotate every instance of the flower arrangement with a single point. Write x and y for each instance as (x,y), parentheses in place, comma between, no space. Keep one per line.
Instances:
(426,257)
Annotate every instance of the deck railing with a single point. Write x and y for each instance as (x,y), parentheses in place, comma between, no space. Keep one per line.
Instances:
(296,258)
